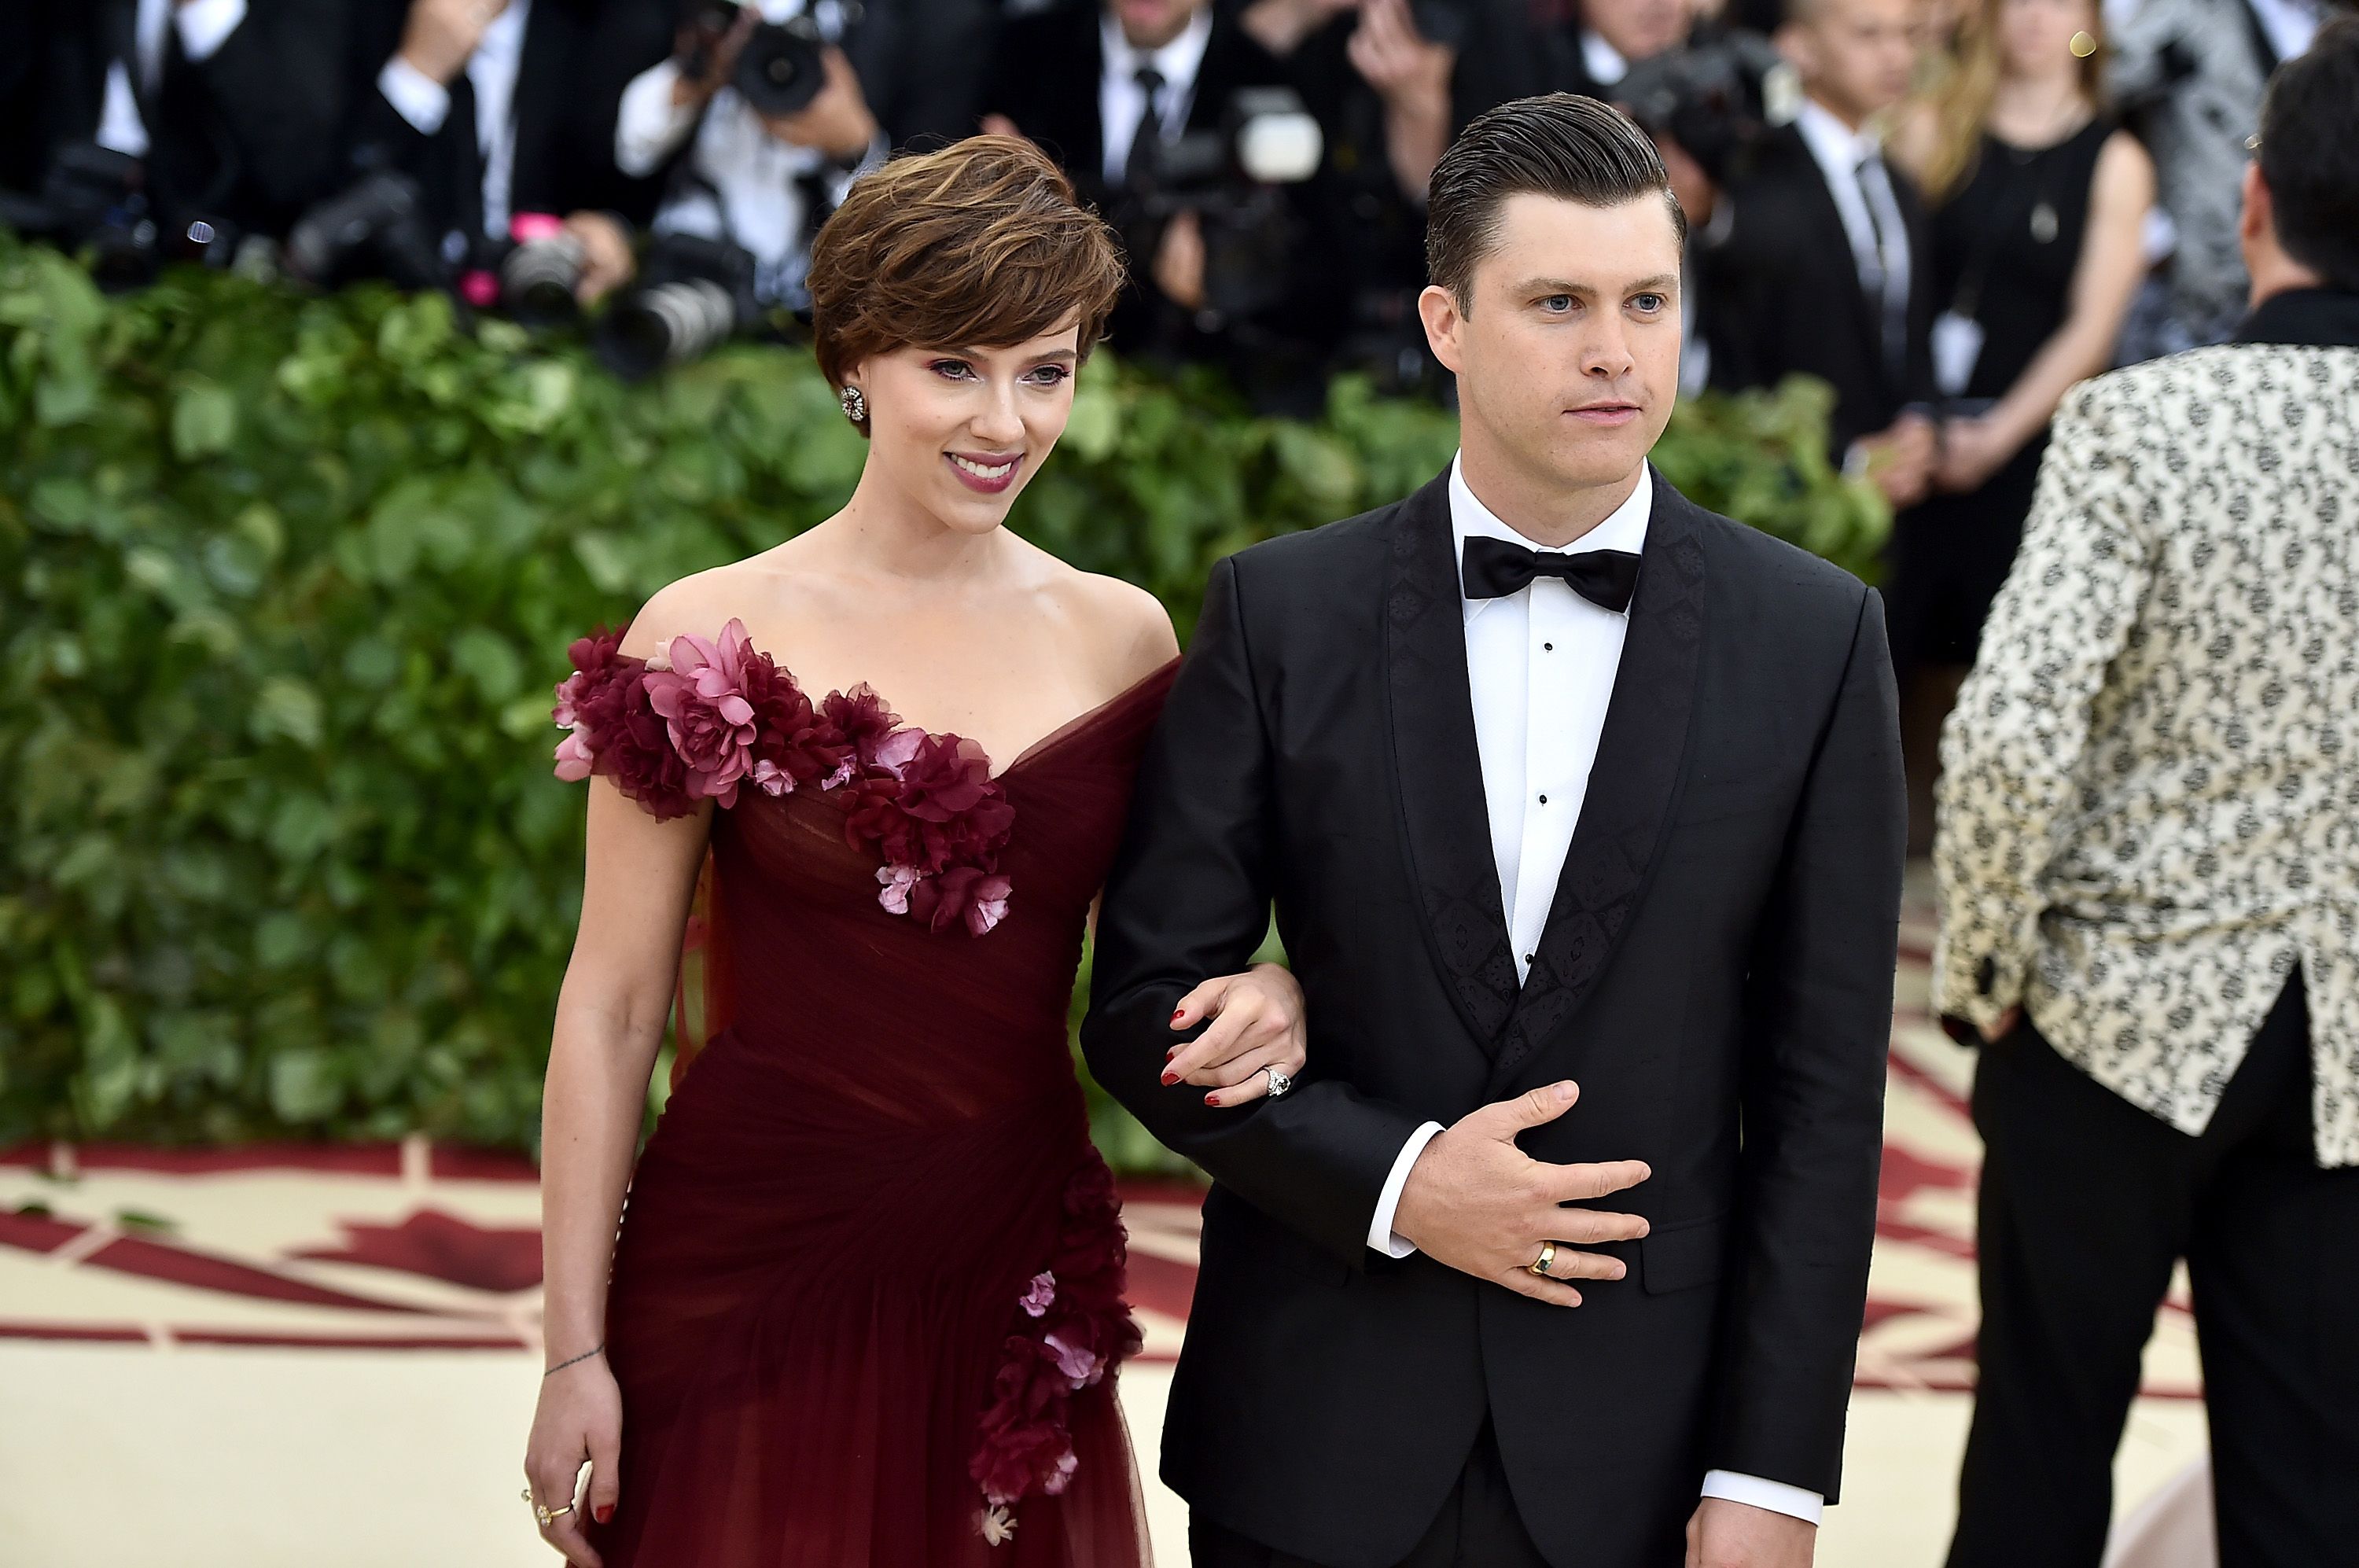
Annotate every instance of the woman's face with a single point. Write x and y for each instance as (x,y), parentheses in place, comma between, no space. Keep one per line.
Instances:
(959,431)
(2035,37)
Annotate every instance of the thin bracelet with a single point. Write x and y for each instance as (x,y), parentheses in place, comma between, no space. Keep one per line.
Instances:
(583,1356)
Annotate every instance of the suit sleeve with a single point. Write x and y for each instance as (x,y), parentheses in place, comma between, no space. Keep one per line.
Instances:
(279,86)
(2013,748)
(1819,1018)
(1189,899)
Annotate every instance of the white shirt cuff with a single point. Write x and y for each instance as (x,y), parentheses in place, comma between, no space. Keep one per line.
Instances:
(1380,1228)
(648,125)
(416,96)
(1775,1496)
(206,25)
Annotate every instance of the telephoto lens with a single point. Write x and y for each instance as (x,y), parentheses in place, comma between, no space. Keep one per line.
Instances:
(538,278)
(780,71)
(694,293)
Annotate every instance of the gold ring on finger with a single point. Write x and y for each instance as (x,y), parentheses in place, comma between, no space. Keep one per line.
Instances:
(1540,1266)
(546,1514)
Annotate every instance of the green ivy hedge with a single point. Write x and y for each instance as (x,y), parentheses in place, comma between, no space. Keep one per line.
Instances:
(284,584)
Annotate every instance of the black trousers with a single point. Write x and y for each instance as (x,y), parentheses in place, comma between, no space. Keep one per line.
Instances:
(1478,1527)
(2087,1202)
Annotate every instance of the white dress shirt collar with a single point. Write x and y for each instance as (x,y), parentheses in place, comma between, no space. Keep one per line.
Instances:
(1625,527)
(1177,63)
(1839,149)
(1121,104)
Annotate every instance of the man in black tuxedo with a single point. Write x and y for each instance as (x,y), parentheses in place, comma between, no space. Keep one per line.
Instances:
(1628,813)
(227,108)
(499,107)
(1820,263)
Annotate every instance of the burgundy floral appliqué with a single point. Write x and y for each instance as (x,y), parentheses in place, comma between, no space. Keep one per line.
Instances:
(1073,1328)
(703,719)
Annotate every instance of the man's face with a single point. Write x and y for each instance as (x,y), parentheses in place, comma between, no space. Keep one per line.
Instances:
(1855,56)
(1570,357)
(1151,24)
(1639,30)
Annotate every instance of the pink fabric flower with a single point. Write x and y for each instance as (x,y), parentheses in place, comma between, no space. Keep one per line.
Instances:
(701,700)
(897,880)
(1075,1361)
(575,760)
(1037,1300)
(1068,1463)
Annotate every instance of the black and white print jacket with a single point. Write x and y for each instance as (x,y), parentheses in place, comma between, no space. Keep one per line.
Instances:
(2148,813)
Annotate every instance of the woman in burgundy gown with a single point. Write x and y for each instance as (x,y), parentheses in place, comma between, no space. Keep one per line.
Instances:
(865,1304)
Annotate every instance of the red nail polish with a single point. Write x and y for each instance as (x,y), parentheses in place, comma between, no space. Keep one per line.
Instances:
(1213,1100)
(605,1512)
(1177,1014)
(1169,1079)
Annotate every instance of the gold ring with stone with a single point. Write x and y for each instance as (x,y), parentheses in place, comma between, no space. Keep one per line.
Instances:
(547,1515)
(1547,1256)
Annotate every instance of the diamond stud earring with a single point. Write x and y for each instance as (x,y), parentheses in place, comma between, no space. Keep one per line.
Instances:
(856,406)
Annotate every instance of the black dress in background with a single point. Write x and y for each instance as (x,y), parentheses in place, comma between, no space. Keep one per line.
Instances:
(2010,238)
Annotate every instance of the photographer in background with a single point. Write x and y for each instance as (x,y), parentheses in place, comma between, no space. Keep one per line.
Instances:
(1384,79)
(489,110)
(1591,54)
(1144,103)
(762,122)
(155,130)
(1820,263)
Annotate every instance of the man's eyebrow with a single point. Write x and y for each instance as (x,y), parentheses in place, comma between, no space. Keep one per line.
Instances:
(1659,282)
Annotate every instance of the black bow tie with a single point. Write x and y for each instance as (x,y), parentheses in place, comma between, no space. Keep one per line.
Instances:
(1494,568)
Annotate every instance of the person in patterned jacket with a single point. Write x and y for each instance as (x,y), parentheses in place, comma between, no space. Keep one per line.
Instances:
(2147,855)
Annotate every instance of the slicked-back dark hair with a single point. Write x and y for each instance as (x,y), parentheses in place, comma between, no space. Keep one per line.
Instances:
(2310,153)
(1560,144)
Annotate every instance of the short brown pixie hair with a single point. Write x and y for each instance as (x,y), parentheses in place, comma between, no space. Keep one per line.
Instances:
(1562,145)
(982,245)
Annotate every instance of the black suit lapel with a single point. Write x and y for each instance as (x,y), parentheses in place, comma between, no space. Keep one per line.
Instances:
(1445,822)
(1630,785)
(1834,243)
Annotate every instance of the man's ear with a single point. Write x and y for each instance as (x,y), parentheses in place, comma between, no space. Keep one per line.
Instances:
(1793,40)
(2259,217)
(1444,323)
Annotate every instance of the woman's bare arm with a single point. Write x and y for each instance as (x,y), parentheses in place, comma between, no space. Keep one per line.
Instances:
(640,874)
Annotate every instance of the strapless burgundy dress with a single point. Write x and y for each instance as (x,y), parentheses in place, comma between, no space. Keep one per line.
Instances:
(867,1296)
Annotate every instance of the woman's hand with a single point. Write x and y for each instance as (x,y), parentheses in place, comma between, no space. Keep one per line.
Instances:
(580,1417)
(1971,450)
(1256,1024)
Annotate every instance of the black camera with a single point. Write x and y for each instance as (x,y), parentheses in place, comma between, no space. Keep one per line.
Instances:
(96,200)
(692,295)
(780,71)
(1716,97)
(1235,179)
(377,227)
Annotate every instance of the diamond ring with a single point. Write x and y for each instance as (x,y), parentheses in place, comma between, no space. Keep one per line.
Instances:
(547,1515)
(1280,1081)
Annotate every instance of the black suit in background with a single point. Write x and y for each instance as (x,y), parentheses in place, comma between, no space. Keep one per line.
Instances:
(1045,76)
(1783,294)
(247,135)
(1719,954)
(578,57)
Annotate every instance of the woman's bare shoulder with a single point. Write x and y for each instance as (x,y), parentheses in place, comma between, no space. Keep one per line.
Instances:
(764,591)
(1128,626)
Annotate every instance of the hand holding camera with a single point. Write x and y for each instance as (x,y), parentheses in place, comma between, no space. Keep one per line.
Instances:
(836,120)
(1409,71)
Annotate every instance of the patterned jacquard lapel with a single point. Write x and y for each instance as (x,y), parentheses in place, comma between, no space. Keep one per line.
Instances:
(1630,786)
(1445,823)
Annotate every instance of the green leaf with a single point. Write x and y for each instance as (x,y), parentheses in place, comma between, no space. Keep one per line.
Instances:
(204,420)
(304,1085)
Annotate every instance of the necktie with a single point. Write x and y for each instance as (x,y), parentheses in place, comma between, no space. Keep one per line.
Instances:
(1139,166)
(1890,303)
(1494,568)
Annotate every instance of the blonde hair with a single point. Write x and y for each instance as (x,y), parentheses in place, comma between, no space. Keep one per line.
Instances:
(1958,104)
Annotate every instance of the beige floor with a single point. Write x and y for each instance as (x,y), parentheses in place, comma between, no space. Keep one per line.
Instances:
(128,1456)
